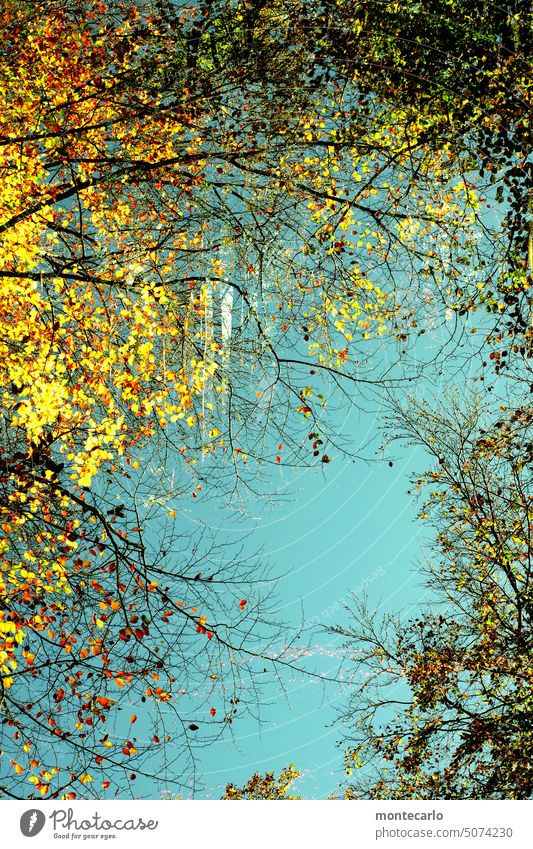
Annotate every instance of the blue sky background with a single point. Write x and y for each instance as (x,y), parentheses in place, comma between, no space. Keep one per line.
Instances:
(345,528)
(329,531)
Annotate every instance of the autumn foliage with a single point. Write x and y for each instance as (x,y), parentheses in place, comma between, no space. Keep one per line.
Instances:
(265,788)
(212,220)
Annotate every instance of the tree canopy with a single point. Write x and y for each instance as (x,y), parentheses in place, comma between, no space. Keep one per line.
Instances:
(218,221)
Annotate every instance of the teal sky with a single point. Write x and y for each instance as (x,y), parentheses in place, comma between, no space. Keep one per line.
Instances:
(345,528)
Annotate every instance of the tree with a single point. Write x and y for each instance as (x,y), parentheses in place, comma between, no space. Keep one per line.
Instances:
(266,787)
(444,707)
(466,69)
(204,236)
(452,719)
(443,710)
(103,601)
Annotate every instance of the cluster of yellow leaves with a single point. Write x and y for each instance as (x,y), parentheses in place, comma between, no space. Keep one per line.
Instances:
(92,377)
(266,787)
(377,198)
(92,362)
